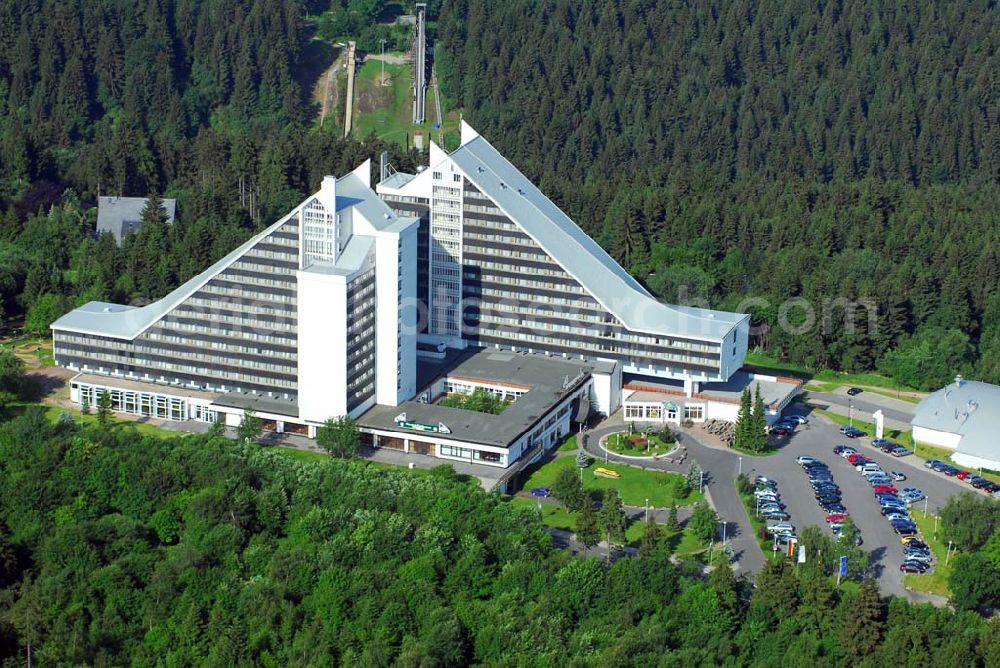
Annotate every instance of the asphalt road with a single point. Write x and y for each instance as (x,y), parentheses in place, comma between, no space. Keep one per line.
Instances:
(818,439)
(867,403)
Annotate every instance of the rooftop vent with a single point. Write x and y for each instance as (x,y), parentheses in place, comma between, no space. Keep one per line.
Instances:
(958,380)
(480,169)
(387,216)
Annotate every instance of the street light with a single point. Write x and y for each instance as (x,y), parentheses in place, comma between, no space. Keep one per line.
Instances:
(850,414)
(741,466)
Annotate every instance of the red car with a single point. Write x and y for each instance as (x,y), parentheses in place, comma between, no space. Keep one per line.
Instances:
(857,458)
(962,475)
(885,489)
(836,517)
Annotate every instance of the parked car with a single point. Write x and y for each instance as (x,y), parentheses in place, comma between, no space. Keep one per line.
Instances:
(836,517)
(852,432)
(899,451)
(919,555)
(897,476)
(781,527)
(913,540)
(541,491)
(858,458)
(777,515)
(761,480)
(881,489)
(894,515)
(806,459)
(978,482)
(914,567)
(962,475)
(950,471)
(854,391)
(797,419)
(835,507)
(930,463)
(780,431)
(991,487)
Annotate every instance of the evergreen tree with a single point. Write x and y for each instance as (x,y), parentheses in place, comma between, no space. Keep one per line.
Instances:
(218,428)
(694,476)
(673,526)
(154,211)
(743,419)
(582,459)
(864,623)
(758,423)
(588,531)
(104,407)
(651,538)
(85,405)
(612,519)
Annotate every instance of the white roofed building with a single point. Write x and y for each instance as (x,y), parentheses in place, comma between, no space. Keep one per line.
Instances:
(330,310)
(964,417)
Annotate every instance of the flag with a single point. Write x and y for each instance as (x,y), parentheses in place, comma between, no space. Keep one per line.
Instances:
(802,554)
(843,566)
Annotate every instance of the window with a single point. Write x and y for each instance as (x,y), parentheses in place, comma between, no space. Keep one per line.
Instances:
(633,411)
(696,412)
(457,178)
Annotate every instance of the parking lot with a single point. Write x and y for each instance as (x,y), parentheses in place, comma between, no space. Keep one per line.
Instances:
(817,439)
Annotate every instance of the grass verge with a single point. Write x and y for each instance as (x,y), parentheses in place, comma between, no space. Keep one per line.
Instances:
(935,582)
(568,445)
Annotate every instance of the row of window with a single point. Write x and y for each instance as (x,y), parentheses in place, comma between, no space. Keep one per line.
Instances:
(658,412)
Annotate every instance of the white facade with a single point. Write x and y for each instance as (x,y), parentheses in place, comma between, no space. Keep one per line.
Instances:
(940,439)
(322,354)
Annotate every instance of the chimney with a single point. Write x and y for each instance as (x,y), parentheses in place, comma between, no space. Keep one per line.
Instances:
(958,380)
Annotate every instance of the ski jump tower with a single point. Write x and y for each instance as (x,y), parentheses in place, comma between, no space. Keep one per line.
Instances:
(420,64)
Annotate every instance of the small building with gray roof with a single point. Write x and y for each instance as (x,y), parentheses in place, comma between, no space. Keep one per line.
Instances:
(963,417)
(120,216)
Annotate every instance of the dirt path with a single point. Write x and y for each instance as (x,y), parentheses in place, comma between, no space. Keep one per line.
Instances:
(326,90)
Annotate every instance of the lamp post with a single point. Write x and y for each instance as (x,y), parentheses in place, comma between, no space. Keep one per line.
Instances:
(850,412)
(741,466)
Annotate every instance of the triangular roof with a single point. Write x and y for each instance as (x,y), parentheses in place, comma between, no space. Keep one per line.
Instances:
(578,254)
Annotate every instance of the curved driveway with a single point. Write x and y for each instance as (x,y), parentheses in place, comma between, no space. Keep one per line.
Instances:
(720,467)
(816,439)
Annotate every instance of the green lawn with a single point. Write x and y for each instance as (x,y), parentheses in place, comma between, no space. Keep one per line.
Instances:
(936,581)
(634,485)
(553,515)
(568,445)
(392,120)
(902,437)
(828,380)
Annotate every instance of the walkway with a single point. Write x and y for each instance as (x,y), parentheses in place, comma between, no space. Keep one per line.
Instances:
(719,466)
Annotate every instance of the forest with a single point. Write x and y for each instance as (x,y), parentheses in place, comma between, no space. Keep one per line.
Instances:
(737,155)
(204,102)
(745,153)
(118,548)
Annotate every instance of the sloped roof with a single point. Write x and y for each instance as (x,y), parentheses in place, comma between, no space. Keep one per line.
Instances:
(121,215)
(971,409)
(580,255)
(127,322)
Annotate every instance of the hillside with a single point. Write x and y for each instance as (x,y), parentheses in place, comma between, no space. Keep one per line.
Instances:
(762,151)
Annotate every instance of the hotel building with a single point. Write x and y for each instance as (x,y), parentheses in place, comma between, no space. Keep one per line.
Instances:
(328,310)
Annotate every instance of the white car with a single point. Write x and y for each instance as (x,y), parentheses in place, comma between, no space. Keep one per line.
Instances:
(805,459)
(781,527)
(798,419)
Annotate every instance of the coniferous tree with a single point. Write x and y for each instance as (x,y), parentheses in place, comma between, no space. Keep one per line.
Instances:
(154,211)
(104,407)
(612,519)
(588,531)
(651,537)
(743,419)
